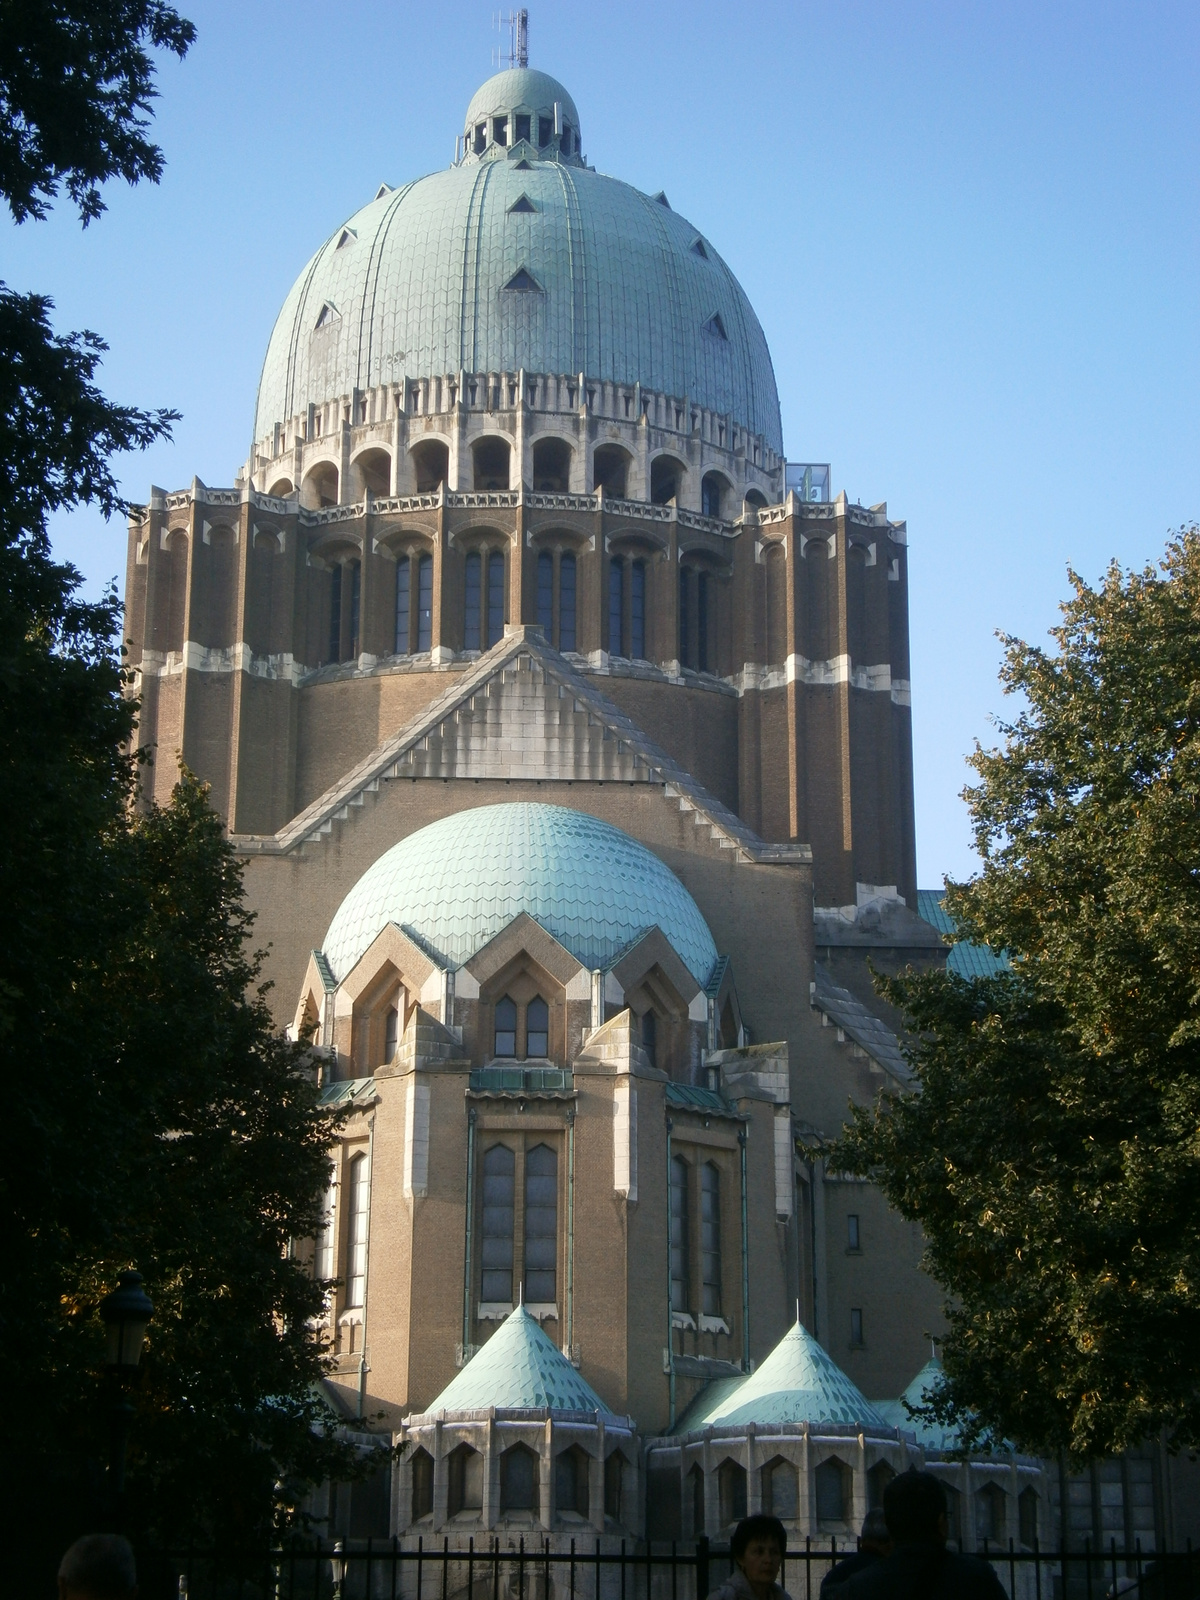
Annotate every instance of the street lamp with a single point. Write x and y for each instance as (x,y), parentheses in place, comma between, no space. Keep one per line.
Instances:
(125,1313)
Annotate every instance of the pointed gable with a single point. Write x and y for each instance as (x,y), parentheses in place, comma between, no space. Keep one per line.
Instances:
(518,1369)
(798,1382)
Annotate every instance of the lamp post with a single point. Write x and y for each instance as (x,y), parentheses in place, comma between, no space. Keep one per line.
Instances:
(125,1314)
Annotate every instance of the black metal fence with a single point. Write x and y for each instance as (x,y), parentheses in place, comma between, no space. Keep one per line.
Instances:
(593,1569)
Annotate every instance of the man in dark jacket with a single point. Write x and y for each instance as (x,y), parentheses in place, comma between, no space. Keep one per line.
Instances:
(874,1542)
(920,1567)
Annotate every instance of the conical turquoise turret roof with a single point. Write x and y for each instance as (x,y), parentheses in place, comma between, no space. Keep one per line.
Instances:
(518,1369)
(798,1382)
(932,1435)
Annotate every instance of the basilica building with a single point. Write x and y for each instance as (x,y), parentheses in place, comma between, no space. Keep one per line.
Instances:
(562,722)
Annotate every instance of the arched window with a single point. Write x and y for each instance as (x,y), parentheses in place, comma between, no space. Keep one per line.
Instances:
(403,604)
(665,476)
(499,1196)
(472,635)
(391,1032)
(1027,1517)
(491,457)
(495,608)
(954,1513)
(832,1487)
(566,603)
(545,593)
(335,614)
(878,1478)
(422,1485)
(637,611)
(703,652)
(541,1225)
(614,1476)
(424,603)
(712,488)
(355,603)
(357,1230)
(731,1488)
(679,1234)
(465,1481)
(324,1263)
(610,470)
(710,1237)
(506,1028)
(779,1490)
(615,609)
(571,1482)
(537,1028)
(551,466)
(696,1484)
(518,1479)
(991,1514)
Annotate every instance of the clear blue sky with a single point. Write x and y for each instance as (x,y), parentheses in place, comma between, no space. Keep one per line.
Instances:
(970,233)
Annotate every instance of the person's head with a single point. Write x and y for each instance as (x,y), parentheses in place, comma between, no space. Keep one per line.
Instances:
(875,1537)
(914,1508)
(99,1566)
(758,1546)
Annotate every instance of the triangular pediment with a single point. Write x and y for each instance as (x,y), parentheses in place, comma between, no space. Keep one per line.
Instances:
(522,712)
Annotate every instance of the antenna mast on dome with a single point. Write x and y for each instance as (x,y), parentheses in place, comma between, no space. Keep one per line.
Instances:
(517,54)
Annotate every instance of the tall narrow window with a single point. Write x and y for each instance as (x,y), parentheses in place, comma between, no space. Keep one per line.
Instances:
(541,1225)
(324,1264)
(856,1325)
(391,1032)
(679,1234)
(355,602)
(614,606)
(684,645)
(853,1237)
(471,618)
(356,1232)
(614,1473)
(403,603)
(637,611)
(422,1485)
(566,603)
(499,1194)
(424,602)
(495,597)
(545,594)
(702,649)
(710,1237)
(650,1034)
(335,614)
(537,1028)
(506,1028)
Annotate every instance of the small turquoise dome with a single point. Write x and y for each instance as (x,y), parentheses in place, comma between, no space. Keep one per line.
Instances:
(518,1369)
(798,1382)
(460,881)
(497,265)
(521,89)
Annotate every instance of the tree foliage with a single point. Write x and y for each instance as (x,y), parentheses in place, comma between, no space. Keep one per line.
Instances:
(1052,1152)
(154,1117)
(76,84)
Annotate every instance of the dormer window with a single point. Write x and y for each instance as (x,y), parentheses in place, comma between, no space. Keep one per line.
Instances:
(565,142)
(506,1028)
(521,127)
(545,130)
(480,138)
(500,130)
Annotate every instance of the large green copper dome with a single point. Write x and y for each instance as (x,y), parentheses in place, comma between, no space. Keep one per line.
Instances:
(520,257)
(458,882)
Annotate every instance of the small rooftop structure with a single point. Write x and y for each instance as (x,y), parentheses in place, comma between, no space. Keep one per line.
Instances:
(798,1382)
(518,1369)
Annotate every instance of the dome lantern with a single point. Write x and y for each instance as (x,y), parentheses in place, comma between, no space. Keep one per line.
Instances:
(522,114)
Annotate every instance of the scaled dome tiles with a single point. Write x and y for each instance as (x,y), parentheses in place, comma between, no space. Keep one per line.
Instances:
(518,1369)
(419,281)
(798,1382)
(459,882)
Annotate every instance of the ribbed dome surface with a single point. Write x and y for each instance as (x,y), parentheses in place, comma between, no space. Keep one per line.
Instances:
(415,285)
(460,881)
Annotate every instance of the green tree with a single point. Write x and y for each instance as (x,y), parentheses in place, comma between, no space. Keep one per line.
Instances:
(1052,1150)
(152,1114)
